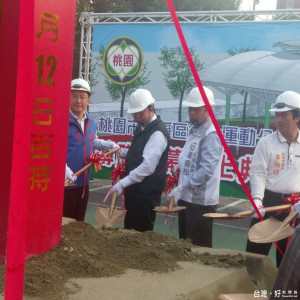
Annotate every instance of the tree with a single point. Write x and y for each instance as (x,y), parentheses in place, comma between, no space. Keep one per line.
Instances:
(235,51)
(117,91)
(114,6)
(178,75)
(81,6)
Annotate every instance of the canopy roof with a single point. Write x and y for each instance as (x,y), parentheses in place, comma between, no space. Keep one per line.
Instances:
(264,74)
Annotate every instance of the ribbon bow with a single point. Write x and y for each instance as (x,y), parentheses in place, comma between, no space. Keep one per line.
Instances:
(172,181)
(293,199)
(95,158)
(118,171)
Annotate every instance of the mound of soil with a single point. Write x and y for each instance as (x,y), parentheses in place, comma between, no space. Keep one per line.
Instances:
(93,252)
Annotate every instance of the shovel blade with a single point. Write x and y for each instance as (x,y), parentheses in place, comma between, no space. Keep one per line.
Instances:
(268,231)
(102,216)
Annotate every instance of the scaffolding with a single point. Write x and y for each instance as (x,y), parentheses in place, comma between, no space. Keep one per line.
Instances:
(88,20)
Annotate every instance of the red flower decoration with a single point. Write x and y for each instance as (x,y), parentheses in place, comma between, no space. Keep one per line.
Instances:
(118,171)
(172,182)
(293,199)
(95,158)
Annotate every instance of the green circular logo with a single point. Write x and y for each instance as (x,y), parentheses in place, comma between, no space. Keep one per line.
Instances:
(123,60)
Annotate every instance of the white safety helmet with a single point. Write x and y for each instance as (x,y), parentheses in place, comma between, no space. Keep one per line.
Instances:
(80,84)
(194,98)
(288,100)
(139,100)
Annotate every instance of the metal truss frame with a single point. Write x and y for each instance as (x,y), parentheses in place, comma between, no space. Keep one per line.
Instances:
(88,20)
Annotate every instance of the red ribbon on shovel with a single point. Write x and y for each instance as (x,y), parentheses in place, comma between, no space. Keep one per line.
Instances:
(172,182)
(117,173)
(293,199)
(95,158)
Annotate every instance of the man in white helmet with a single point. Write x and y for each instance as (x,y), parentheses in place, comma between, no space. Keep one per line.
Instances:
(200,168)
(274,172)
(146,163)
(82,141)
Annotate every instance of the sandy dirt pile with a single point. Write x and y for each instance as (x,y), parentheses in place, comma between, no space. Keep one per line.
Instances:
(96,252)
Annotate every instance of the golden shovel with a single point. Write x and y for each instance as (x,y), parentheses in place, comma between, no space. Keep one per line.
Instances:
(224,216)
(169,209)
(272,230)
(111,216)
(87,166)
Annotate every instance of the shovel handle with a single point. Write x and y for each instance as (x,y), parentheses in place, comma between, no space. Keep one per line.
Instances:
(86,167)
(285,223)
(277,208)
(114,196)
(112,151)
(90,164)
(112,205)
(267,210)
(288,220)
(171,203)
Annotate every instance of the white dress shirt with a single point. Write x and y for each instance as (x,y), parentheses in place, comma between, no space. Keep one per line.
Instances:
(152,153)
(275,166)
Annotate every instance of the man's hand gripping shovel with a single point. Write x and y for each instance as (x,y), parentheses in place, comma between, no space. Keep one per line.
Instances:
(111,216)
(272,230)
(172,182)
(94,159)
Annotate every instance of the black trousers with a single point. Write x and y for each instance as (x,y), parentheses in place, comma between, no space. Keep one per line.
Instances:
(140,215)
(75,203)
(270,199)
(192,225)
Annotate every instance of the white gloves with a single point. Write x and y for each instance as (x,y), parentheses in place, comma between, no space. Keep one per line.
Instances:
(296,207)
(100,144)
(176,193)
(118,187)
(260,206)
(123,152)
(69,175)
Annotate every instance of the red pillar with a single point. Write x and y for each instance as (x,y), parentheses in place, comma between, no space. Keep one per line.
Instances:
(36,46)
